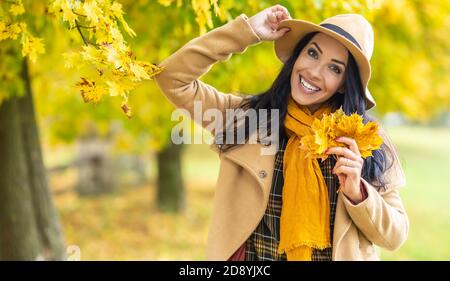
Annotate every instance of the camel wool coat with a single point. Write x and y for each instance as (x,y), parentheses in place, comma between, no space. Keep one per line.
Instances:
(245,176)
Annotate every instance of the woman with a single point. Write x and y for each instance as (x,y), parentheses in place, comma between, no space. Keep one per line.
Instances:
(283,206)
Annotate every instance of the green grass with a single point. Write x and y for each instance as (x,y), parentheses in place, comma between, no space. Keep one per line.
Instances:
(425,159)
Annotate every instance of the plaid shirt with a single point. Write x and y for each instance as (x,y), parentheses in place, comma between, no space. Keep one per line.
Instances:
(263,243)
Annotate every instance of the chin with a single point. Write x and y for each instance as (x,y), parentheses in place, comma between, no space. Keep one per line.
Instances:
(301,99)
(311,104)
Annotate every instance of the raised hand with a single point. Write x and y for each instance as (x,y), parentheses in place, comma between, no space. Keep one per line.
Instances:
(265,23)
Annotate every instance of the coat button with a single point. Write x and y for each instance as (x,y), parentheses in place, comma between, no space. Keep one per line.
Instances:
(262,174)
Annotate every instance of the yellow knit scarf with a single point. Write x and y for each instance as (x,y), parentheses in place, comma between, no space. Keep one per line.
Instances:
(305,213)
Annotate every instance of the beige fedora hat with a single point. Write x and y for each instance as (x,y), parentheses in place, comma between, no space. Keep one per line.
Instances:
(351,30)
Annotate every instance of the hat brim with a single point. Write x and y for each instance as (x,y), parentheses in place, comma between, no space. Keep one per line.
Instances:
(284,46)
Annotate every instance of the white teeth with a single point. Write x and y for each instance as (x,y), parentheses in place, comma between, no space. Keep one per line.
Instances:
(308,86)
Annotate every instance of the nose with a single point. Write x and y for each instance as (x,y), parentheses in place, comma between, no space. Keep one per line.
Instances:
(314,73)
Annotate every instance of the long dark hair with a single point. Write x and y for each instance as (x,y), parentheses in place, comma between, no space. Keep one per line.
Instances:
(276,97)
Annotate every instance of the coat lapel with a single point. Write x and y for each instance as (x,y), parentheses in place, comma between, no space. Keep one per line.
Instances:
(255,159)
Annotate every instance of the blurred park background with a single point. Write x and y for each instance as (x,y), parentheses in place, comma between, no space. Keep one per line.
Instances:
(84,181)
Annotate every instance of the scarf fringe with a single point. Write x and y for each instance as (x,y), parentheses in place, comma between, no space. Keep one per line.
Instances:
(312,245)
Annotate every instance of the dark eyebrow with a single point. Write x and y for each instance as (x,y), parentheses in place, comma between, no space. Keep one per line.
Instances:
(338,61)
(317,46)
(320,50)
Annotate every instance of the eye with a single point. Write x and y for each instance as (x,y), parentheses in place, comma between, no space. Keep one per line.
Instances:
(312,53)
(336,69)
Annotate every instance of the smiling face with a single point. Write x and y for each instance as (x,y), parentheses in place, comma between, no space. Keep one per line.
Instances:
(319,71)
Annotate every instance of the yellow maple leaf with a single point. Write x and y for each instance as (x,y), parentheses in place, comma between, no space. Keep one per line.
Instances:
(151,69)
(348,125)
(113,56)
(69,16)
(316,143)
(116,9)
(126,109)
(92,11)
(17,9)
(119,88)
(138,72)
(320,136)
(8,30)
(90,91)
(4,30)
(368,139)
(92,54)
(115,34)
(32,46)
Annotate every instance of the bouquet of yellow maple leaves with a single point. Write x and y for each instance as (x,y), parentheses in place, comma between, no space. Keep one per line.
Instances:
(324,132)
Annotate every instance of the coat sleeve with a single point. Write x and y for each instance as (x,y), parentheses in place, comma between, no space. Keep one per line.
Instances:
(179,79)
(381,217)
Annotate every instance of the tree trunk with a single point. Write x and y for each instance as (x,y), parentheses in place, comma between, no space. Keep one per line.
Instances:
(48,225)
(19,238)
(29,227)
(170,190)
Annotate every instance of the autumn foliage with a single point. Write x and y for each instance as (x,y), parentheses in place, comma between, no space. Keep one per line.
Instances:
(324,132)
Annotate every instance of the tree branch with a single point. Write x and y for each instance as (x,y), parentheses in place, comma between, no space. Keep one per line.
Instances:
(81,33)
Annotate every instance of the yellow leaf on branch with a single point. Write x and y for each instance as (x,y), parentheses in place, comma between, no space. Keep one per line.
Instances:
(90,91)
(105,50)
(12,31)
(138,72)
(92,11)
(32,46)
(126,109)
(17,8)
